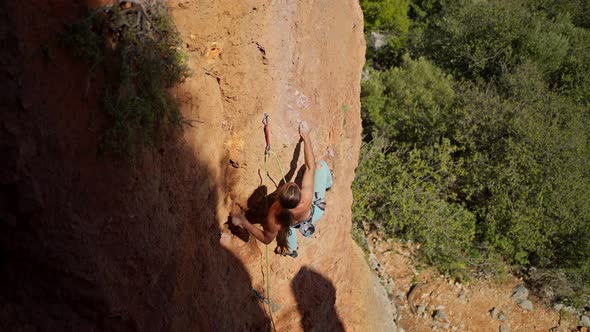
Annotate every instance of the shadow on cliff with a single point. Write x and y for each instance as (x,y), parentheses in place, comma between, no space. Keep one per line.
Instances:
(316,298)
(90,243)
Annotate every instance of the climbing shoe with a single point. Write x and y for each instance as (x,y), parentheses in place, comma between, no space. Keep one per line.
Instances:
(283,251)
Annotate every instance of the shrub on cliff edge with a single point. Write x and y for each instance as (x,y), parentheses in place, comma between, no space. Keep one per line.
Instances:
(138,49)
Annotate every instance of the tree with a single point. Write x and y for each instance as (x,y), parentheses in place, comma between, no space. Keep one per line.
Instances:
(410,194)
(410,103)
(389,19)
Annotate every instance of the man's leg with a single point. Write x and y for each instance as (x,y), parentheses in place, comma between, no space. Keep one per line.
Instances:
(292,239)
(287,242)
(322,181)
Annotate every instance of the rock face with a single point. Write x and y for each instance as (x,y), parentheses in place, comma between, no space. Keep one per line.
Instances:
(495,313)
(526,305)
(520,293)
(89,242)
(378,40)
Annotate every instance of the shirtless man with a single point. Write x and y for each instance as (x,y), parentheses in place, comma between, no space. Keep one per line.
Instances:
(296,208)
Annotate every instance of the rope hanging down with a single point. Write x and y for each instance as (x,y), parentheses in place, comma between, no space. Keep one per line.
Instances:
(268,151)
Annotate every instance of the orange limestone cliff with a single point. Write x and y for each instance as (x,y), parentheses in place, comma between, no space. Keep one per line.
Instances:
(92,242)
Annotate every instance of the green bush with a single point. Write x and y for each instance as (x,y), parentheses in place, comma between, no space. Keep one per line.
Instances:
(526,160)
(83,39)
(573,77)
(141,61)
(478,38)
(492,164)
(386,16)
(410,194)
(578,10)
(486,39)
(389,17)
(411,103)
(424,10)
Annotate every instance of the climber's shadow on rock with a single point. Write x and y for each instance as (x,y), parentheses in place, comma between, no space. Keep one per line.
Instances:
(316,297)
(255,211)
(293,167)
(292,172)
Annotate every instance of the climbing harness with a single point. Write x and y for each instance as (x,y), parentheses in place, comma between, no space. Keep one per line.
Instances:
(306,227)
(267,152)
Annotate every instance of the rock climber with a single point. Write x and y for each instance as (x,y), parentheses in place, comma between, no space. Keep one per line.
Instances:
(295,208)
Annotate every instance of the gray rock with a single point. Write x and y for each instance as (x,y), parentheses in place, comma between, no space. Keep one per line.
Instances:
(520,293)
(569,309)
(440,316)
(421,309)
(558,306)
(365,75)
(504,328)
(526,305)
(462,295)
(390,287)
(394,309)
(495,312)
(585,321)
(398,314)
(377,39)
(374,262)
(444,326)
(440,326)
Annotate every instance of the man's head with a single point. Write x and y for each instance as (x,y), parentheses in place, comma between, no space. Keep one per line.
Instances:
(290,195)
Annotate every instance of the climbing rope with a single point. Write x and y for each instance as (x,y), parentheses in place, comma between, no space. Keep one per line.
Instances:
(268,151)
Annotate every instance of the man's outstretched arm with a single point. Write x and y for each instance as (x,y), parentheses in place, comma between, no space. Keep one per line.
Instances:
(304,131)
(263,235)
(307,182)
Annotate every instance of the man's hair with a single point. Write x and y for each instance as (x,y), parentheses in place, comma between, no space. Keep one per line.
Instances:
(290,195)
(285,218)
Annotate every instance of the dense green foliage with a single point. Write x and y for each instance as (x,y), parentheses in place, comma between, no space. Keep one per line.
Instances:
(390,18)
(409,103)
(140,62)
(409,192)
(478,138)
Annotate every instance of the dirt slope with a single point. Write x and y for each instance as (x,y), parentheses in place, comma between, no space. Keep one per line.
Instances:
(92,243)
(419,292)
